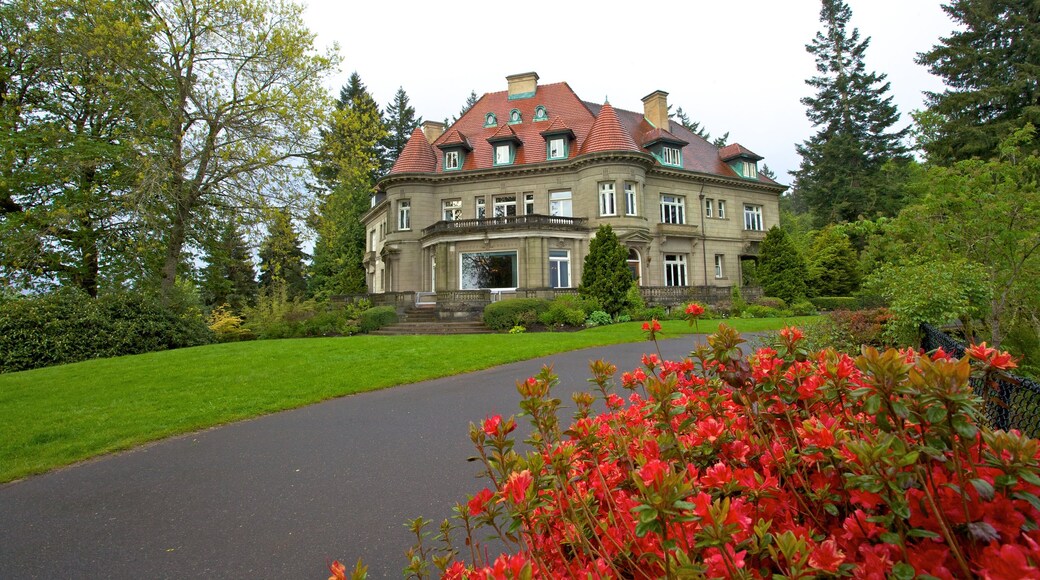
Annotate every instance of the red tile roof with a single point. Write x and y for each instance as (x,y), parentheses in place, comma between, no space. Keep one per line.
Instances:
(734,150)
(593,127)
(504,133)
(417,156)
(607,134)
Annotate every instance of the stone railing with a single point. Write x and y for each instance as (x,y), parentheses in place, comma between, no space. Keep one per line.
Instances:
(533,221)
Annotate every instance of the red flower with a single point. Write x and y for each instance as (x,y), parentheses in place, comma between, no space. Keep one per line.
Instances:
(1005,561)
(1000,361)
(651,329)
(827,556)
(478,503)
(791,334)
(694,309)
(491,425)
(339,571)
(456,571)
(653,473)
(515,490)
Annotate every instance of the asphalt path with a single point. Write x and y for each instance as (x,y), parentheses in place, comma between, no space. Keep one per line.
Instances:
(282,495)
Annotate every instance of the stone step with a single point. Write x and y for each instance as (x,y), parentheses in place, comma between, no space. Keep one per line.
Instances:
(438,328)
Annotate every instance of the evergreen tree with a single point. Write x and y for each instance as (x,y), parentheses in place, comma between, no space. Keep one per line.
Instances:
(229,276)
(766,171)
(351,150)
(781,267)
(470,101)
(400,123)
(281,259)
(991,68)
(840,162)
(606,276)
(833,265)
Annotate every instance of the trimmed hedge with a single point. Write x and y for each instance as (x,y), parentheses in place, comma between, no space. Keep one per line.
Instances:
(506,314)
(378,317)
(70,326)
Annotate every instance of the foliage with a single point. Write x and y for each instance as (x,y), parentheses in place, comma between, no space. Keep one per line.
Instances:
(377,317)
(563,313)
(986,213)
(505,314)
(848,331)
(786,463)
(348,166)
(803,308)
(838,176)
(634,300)
(933,291)
(762,311)
(70,148)
(836,302)
(737,302)
(991,76)
(782,270)
(281,259)
(605,276)
(771,302)
(279,315)
(598,318)
(226,326)
(229,277)
(400,123)
(833,264)
(70,326)
(518,329)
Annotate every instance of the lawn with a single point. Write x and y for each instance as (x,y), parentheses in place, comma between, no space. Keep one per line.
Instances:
(60,415)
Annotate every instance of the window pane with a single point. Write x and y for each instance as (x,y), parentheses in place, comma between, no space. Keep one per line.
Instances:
(488,270)
(560,203)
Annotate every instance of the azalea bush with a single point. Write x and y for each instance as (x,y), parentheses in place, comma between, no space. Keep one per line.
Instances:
(782,464)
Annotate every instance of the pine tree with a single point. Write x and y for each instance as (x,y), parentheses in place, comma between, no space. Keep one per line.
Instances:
(470,101)
(766,171)
(605,276)
(991,68)
(351,149)
(833,264)
(781,268)
(229,276)
(400,122)
(281,259)
(854,118)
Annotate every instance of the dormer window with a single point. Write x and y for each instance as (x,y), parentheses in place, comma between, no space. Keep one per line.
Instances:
(749,169)
(452,160)
(515,117)
(540,114)
(671,156)
(490,120)
(557,147)
(504,153)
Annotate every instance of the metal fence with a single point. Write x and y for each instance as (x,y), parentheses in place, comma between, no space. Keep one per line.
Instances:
(1013,402)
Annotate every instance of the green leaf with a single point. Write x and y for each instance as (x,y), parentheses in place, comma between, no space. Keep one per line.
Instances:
(984,488)
(923,533)
(903,571)
(890,538)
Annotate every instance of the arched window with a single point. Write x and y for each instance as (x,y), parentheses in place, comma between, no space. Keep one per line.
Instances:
(634,265)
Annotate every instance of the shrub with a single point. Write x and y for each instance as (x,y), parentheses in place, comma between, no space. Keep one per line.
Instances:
(652,313)
(563,312)
(787,462)
(759,311)
(605,275)
(598,318)
(771,302)
(505,314)
(836,302)
(517,330)
(226,325)
(803,308)
(377,317)
(737,302)
(70,326)
(634,300)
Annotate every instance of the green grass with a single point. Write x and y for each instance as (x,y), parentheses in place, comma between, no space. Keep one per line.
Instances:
(60,415)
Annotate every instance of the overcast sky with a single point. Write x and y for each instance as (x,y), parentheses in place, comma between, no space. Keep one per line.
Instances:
(737,67)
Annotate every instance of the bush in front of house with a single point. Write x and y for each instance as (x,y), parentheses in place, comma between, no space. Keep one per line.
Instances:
(69,326)
(599,318)
(377,317)
(828,303)
(505,314)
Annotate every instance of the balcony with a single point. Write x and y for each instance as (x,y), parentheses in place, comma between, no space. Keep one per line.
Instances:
(676,230)
(519,222)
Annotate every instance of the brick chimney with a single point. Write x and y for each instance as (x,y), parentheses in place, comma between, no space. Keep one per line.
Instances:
(523,85)
(432,130)
(655,109)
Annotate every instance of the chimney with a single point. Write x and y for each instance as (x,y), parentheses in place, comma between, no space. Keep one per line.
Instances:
(522,86)
(432,130)
(655,109)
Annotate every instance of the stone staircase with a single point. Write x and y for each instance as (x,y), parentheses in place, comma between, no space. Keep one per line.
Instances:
(424,320)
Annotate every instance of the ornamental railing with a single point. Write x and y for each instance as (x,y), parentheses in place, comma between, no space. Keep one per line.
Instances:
(1011,402)
(533,221)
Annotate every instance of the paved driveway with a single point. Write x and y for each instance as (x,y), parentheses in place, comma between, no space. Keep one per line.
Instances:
(278,496)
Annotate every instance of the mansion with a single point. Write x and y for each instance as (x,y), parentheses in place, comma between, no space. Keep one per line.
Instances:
(509,196)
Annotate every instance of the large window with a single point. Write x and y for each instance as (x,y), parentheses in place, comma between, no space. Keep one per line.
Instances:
(505,205)
(675,269)
(487,270)
(753,217)
(630,198)
(673,209)
(750,169)
(559,269)
(607,199)
(720,272)
(452,209)
(404,215)
(560,203)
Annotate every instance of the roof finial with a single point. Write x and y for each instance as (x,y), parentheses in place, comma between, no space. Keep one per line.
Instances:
(606,99)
